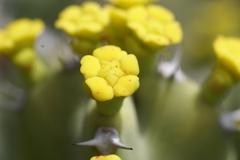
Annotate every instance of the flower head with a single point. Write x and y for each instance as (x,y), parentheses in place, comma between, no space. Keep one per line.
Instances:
(19,33)
(227,50)
(154,25)
(24,31)
(83,21)
(129,3)
(107,157)
(110,72)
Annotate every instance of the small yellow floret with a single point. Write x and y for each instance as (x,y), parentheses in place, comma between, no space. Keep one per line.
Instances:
(25,57)
(100,89)
(110,72)
(107,157)
(154,25)
(129,3)
(24,30)
(227,50)
(83,21)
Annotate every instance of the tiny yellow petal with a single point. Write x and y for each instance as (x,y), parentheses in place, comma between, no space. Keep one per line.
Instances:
(107,157)
(90,66)
(109,53)
(129,64)
(100,89)
(24,58)
(126,85)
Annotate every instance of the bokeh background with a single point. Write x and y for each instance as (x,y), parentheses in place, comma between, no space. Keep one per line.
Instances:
(202,21)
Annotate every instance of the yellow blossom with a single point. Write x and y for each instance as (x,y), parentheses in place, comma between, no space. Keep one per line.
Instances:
(129,3)
(227,50)
(110,72)
(24,31)
(154,25)
(83,21)
(107,157)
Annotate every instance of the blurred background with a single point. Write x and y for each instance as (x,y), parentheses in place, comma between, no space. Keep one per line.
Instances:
(202,21)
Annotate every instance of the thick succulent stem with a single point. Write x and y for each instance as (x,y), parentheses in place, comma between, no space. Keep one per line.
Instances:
(110,108)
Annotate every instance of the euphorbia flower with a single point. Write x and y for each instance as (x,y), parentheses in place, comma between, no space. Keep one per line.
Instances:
(154,25)
(83,21)
(110,72)
(19,33)
(24,31)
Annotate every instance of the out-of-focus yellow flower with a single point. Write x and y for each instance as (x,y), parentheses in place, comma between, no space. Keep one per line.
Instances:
(107,157)
(117,17)
(129,3)
(24,58)
(24,31)
(154,25)
(6,44)
(110,72)
(83,21)
(227,50)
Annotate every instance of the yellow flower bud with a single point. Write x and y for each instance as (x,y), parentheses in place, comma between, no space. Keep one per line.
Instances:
(154,25)
(24,31)
(107,157)
(86,20)
(24,58)
(110,72)
(227,50)
(129,3)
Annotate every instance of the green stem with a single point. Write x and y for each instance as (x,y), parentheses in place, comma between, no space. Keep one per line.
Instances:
(217,86)
(146,96)
(110,108)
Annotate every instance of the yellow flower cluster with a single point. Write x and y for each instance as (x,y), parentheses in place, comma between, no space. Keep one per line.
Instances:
(86,20)
(110,72)
(19,33)
(154,25)
(17,39)
(107,157)
(24,31)
(89,24)
(227,50)
(129,3)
